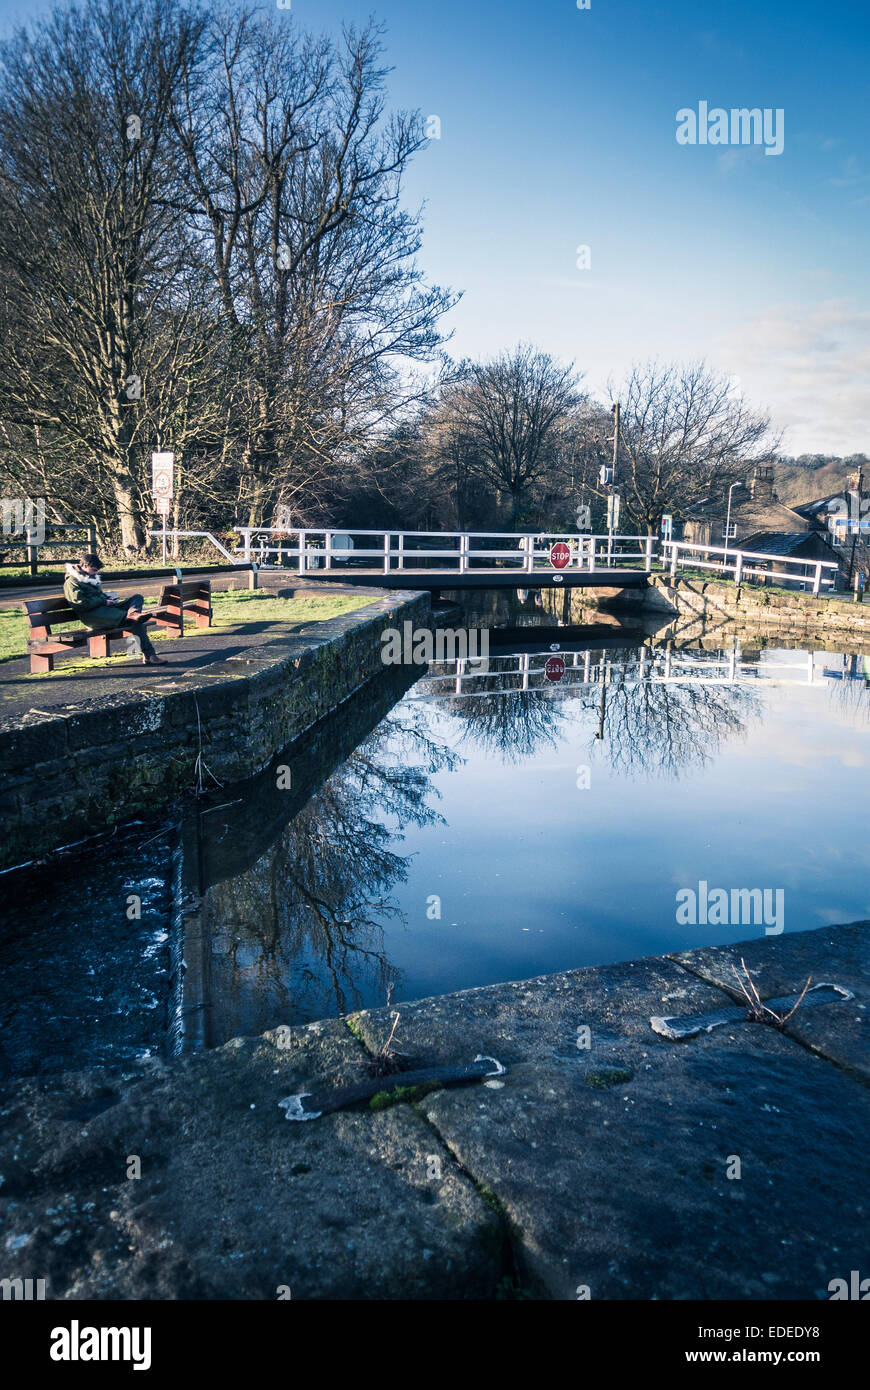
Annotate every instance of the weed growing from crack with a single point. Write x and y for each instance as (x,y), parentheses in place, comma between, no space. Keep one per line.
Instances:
(387,1062)
(756,1010)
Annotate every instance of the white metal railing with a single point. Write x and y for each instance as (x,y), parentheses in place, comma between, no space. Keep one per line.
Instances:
(201,535)
(527,553)
(316,549)
(744,564)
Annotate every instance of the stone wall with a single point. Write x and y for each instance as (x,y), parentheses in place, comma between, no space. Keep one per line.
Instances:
(751,603)
(703,606)
(66,776)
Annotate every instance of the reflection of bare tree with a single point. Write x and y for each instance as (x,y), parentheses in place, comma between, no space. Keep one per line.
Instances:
(514,725)
(302,930)
(660,727)
(641,721)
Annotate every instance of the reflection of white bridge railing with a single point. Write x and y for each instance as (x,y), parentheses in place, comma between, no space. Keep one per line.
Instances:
(527,670)
(748,564)
(459,550)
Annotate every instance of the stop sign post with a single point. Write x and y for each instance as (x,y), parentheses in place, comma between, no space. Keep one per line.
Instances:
(560,555)
(163,487)
(554,669)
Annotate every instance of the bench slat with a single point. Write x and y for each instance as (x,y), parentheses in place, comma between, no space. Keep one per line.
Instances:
(45,617)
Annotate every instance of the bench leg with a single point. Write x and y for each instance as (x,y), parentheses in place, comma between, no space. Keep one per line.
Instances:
(41,663)
(98,646)
(203,620)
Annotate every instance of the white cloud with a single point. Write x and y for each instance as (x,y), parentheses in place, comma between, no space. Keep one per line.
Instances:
(809,365)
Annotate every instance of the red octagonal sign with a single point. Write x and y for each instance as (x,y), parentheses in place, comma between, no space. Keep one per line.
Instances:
(555,668)
(559,555)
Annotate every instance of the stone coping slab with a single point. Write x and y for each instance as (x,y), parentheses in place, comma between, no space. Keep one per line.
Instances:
(729,1165)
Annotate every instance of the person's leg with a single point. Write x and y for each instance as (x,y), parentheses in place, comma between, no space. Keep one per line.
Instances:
(134,639)
(136,625)
(138,643)
(145,641)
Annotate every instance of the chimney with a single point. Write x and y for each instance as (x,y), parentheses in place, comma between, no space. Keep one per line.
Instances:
(854,481)
(761,483)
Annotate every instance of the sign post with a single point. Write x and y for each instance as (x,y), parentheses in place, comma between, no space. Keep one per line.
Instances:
(163,487)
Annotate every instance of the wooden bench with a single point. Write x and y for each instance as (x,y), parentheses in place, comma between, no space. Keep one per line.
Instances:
(45,614)
(44,645)
(191,596)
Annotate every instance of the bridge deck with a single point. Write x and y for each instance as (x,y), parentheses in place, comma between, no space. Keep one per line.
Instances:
(437,579)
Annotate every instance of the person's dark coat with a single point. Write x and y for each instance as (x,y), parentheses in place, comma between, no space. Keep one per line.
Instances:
(84,593)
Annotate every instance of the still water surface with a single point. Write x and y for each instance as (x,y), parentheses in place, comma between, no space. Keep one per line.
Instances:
(476,833)
(553,829)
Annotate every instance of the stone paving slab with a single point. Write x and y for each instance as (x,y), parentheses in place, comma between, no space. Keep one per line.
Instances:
(234,1201)
(611,1164)
(782,965)
(729,1165)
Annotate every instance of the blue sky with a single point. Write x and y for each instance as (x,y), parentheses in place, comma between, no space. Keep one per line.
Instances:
(558,129)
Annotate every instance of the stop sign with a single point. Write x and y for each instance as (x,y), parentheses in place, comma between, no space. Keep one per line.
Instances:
(555,668)
(559,555)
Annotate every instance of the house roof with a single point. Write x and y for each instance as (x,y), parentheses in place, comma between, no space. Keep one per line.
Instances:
(752,515)
(781,542)
(810,510)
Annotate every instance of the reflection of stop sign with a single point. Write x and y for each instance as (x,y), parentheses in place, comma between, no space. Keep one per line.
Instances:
(559,555)
(555,668)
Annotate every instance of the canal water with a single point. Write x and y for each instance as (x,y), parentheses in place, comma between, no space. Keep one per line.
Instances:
(576,802)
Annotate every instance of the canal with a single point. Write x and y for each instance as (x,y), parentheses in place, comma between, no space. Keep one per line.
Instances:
(452,828)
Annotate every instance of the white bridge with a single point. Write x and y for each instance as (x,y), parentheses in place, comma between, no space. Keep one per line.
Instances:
(484,559)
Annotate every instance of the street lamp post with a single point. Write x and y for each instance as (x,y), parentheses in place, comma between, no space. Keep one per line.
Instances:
(728,522)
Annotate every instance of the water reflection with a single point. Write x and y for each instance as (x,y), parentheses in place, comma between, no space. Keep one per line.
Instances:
(300,934)
(433,834)
(655,712)
(313,924)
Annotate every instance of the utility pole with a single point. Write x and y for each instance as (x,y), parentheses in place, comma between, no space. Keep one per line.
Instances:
(857,527)
(614,410)
(613,498)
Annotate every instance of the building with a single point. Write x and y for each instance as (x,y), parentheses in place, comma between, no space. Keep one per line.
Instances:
(799,545)
(835,517)
(759,512)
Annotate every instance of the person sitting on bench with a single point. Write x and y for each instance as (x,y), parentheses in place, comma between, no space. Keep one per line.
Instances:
(99,610)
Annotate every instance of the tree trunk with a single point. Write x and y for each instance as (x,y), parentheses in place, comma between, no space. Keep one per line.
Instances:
(129,517)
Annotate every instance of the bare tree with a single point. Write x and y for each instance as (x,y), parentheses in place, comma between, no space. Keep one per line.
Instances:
(92,253)
(293,175)
(512,407)
(685,436)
